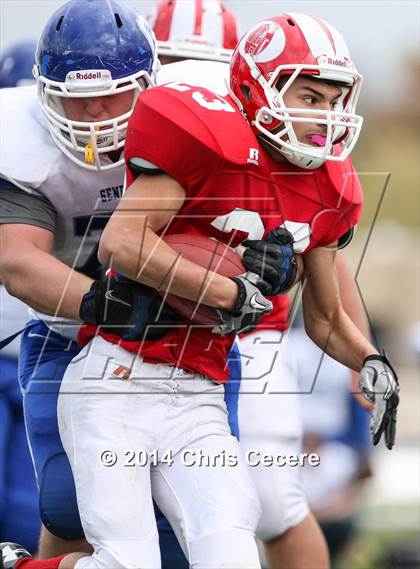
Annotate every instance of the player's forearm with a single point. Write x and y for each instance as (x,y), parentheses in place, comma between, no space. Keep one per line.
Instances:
(45,283)
(339,338)
(326,322)
(350,297)
(152,262)
(353,306)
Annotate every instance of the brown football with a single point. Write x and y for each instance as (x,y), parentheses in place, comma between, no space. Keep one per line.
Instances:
(214,256)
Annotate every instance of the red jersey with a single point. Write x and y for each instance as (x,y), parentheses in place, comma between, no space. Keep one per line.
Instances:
(233,190)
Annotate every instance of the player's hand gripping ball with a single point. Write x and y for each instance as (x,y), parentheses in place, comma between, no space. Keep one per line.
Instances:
(250,304)
(210,254)
(273,260)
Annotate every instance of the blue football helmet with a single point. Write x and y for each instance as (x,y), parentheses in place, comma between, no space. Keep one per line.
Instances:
(93,48)
(16,65)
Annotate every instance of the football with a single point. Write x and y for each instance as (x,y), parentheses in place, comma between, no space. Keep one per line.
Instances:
(214,256)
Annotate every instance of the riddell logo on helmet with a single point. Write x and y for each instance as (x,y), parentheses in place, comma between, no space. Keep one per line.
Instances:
(338,62)
(196,40)
(87,75)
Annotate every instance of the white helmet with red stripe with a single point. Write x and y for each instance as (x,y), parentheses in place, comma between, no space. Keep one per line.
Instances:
(285,47)
(194,29)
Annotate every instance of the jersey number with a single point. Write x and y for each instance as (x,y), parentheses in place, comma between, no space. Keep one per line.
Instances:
(250,222)
(214,104)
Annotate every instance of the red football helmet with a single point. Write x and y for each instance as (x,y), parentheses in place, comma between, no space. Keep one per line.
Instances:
(290,45)
(194,29)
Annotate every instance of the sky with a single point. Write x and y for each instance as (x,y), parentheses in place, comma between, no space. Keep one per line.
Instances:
(381,34)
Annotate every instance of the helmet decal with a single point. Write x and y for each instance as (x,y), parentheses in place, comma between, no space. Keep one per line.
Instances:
(264,42)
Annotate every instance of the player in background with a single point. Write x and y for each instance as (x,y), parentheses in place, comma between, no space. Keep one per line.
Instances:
(335,427)
(204,30)
(269,410)
(16,64)
(333,90)
(18,505)
(60,179)
(341,439)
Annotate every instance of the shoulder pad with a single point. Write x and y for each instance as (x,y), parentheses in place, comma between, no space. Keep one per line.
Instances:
(344,182)
(178,124)
(28,151)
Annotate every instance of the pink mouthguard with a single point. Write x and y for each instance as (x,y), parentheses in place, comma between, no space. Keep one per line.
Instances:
(318,139)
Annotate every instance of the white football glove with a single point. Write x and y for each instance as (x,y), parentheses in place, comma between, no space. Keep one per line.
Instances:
(379,384)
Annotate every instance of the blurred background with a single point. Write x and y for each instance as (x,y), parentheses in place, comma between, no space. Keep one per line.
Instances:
(385,254)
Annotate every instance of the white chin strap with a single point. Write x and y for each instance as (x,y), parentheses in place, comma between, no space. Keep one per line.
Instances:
(302,161)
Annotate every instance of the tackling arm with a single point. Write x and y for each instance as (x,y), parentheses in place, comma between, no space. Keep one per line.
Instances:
(32,274)
(131,246)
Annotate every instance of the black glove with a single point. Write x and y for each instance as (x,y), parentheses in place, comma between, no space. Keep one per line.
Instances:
(127,308)
(379,384)
(249,307)
(273,260)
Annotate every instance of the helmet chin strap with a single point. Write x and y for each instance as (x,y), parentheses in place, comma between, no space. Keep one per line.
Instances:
(298,159)
(295,158)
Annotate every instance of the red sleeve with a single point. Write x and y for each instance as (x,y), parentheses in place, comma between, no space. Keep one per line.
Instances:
(169,129)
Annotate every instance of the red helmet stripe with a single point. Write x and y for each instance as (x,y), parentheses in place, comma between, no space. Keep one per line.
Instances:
(198,17)
(341,49)
(230,32)
(163,21)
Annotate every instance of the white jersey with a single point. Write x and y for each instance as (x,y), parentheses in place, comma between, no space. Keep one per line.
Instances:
(211,75)
(31,161)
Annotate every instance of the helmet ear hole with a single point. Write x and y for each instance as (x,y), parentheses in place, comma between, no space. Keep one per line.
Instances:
(59,23)
(118,20)
(246,92)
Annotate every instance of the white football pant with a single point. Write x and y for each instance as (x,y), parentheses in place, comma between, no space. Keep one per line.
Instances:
(114,410)
(270,423)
